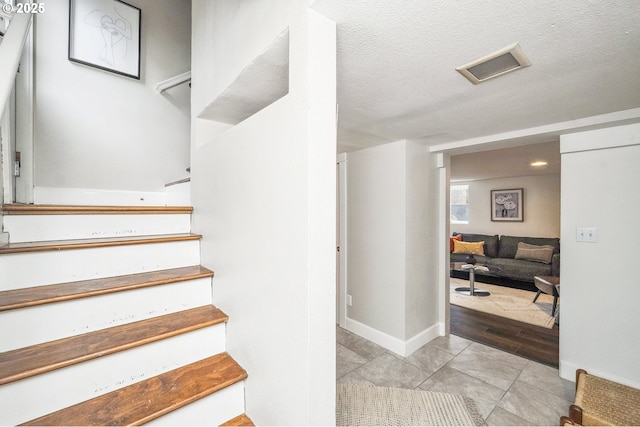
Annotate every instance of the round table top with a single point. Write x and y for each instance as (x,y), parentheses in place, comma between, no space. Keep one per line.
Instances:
(463,266)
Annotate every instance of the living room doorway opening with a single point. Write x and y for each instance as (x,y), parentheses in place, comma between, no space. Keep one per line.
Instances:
(535,169)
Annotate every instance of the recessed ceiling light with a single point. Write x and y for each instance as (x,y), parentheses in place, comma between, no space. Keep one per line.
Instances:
(505,60)
(538,163)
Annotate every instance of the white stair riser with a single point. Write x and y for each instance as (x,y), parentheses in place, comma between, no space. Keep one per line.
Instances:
(49,322)
(50,267)
(38,228)
(211,410)
(178,194)
(33,397)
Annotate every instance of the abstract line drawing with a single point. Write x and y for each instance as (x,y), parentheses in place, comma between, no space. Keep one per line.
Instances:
(105,34)
(115,30)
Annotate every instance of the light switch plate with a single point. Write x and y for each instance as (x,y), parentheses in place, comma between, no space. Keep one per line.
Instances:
(586,234)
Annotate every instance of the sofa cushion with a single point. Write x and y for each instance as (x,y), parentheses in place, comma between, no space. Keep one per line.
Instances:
(476,248)
(534,252)
(451,239)
(490,242)
(509,244)
(520,269)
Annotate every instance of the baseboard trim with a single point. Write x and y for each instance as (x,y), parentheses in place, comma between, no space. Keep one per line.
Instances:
(442,329)
(396,345)
(420,339)
(568,372)
(96,197)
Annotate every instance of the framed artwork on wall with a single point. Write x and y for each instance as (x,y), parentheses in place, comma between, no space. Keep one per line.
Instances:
(507,205)
(105,34)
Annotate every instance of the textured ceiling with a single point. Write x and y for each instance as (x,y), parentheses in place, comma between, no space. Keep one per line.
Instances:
(397,60)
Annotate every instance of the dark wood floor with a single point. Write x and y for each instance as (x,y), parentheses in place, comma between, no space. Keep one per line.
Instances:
(532,342)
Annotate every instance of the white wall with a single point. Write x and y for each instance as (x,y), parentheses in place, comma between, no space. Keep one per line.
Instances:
(264,195)
(392,245)
(422,242)
(100,130)
(599,317)
(376,237)
(541,207)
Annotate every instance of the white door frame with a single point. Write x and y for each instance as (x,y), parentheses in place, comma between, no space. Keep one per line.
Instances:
(17,131)
(24,121)
(341,269)
(7,143)
(444,182)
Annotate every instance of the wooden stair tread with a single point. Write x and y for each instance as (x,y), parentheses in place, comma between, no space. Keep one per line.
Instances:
(147,400)
(19,209)
(29,297)
(57,245)
(29,361)
(240,420)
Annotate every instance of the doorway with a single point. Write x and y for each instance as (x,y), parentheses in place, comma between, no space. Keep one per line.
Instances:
(484,171)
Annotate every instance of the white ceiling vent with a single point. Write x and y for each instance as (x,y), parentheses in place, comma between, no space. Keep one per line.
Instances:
(507,59)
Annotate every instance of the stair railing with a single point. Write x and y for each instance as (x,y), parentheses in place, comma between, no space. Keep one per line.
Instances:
(10,53)
(174,81)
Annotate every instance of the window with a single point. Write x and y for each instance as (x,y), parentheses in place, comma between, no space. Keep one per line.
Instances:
(459,204)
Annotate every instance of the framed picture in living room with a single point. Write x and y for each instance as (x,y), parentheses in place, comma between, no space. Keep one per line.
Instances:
(507,205)
(105,34)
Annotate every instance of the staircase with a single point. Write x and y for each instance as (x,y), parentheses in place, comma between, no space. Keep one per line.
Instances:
(107,318)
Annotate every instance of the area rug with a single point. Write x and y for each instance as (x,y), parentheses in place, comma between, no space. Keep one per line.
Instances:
(365,405)
(515,304)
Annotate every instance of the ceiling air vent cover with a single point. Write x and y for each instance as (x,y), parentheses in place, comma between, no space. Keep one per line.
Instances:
(496,64)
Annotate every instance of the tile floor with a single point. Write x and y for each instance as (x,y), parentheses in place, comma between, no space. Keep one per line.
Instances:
(508,389)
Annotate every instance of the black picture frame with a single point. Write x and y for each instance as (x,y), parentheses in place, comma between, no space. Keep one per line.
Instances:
(507,205)
(105,34)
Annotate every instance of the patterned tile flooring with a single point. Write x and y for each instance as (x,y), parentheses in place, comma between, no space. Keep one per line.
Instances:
(508,389)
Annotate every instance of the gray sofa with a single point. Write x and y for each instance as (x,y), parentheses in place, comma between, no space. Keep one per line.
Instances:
(500,251)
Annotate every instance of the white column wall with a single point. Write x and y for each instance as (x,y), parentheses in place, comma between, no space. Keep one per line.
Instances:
(599,290)
(393,244)
(264,197)
(376,238)
(422,242)
(321,218)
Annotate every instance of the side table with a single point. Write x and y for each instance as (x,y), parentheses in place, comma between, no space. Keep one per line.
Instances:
(471,290)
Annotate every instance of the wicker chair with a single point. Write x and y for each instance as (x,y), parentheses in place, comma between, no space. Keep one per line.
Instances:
(601,402)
